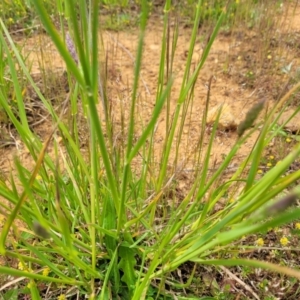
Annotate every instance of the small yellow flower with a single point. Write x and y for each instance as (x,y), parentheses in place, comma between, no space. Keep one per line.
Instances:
(288,140)
(61,297)
(271,157)
(259,171)
(31,284)
(260,242)
(269,165)
(28,270)
(21,266)
(269,56)
(237,1)
(46,271)
(278,162)
(297,225)
(284,241)
(231,200)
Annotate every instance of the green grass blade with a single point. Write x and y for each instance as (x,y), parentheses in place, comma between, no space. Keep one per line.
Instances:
(18,273)
(60,45)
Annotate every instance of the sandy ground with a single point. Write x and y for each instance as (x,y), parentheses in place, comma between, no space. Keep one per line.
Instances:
(232,59)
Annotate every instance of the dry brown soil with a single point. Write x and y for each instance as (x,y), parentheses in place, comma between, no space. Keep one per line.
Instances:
(233,56)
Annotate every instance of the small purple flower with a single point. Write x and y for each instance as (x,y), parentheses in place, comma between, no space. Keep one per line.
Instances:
(71,47)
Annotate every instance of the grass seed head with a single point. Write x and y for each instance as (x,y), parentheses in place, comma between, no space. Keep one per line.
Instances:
(283,204)
(40,230)
(251,116)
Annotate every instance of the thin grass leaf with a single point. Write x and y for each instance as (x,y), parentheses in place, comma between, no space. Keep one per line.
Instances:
(186,86)
(199,246)
(44,259)
(112,263)
(35,295)
(58,41)
(18,273)
(122,218)
(23,197)
(156,113)
(252,263)
(24,127)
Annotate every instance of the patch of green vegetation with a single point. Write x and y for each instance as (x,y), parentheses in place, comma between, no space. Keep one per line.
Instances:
(119,20)
(19,14)
(211,10)
(106,221)
(238,12)
(120,3)
(120,14)
(14,12)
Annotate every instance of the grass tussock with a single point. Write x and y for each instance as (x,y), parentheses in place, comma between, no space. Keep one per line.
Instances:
(101,212)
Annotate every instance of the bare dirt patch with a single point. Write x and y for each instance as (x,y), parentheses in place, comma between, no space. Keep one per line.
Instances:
(243,72)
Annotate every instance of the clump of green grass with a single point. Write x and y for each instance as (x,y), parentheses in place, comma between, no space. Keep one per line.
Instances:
(93,225)
(19,15)
(13,12)
(237,12)
(120,14)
